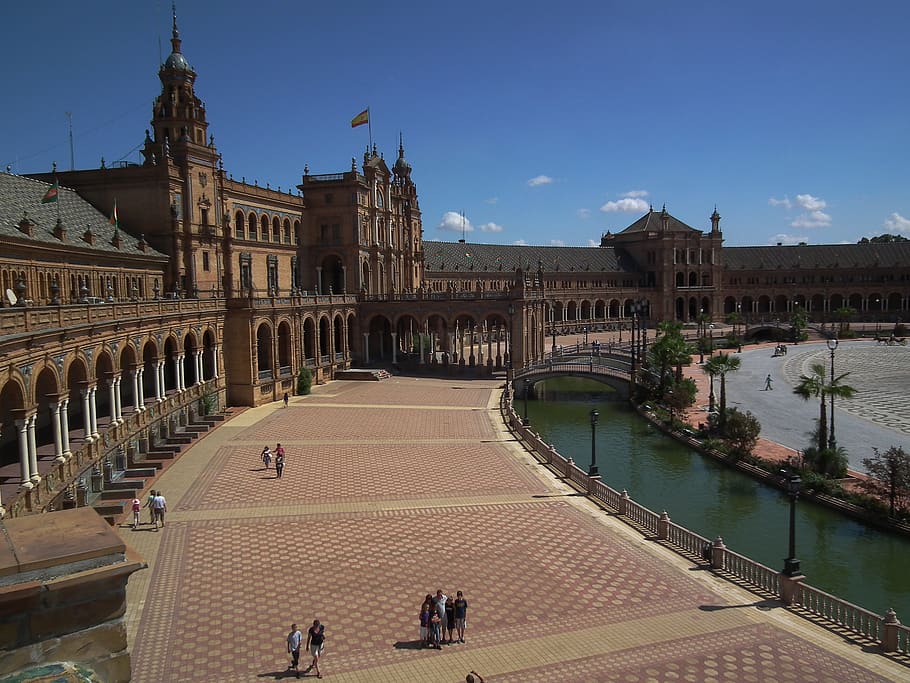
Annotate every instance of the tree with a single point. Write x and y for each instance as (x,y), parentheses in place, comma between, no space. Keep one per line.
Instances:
(670,351)
(680,396)
(798,320)
(843,315)
(719,366)
(886,238)
(889,477)
(741,430)
(817,385)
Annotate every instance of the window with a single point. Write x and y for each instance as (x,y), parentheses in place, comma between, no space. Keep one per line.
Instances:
(205,261)
(205,216)
(251,223)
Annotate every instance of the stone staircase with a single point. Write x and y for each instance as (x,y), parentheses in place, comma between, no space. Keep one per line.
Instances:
(113,502)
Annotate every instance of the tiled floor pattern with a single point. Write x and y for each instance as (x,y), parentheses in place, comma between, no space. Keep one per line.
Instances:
(558,590)
(873,372)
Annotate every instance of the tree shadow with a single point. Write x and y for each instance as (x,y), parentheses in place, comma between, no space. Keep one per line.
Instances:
(764,605)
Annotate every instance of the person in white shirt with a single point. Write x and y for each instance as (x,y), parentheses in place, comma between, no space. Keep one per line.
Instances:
(295,638)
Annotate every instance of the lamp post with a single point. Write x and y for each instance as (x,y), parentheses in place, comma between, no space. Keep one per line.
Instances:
(586,335)
(525,420)
(701,334)
(711,398)
(592,471)
(791,564)
(832,346)
(511,311)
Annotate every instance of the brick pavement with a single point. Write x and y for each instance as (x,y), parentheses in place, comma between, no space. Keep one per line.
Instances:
(396,488)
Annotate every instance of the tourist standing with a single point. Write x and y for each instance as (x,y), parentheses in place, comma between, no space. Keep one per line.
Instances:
(461,615)
(148,504)
(315,642)
(449,623)
(295,638)
(279,464)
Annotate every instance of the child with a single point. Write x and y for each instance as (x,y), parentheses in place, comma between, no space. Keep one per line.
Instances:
(137,506)
(266,456)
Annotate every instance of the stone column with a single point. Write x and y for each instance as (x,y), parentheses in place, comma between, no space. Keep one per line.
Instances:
(366,348)
(112,399)
(159,385)
(138,387)
(55,425)
(65,428)
(86,415)
(215,360)
(33,450)
(24,463)
(118,409)
(93,407)
(199,366)
(394,347)
(178,371)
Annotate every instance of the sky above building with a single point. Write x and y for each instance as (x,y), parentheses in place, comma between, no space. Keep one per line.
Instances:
(542,123)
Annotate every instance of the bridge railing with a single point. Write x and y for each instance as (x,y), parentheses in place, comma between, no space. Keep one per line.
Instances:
(887,631)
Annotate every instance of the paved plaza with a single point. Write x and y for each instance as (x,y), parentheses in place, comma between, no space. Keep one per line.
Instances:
(393,489)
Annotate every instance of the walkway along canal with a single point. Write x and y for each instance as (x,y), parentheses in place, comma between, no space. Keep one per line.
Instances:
(840,556)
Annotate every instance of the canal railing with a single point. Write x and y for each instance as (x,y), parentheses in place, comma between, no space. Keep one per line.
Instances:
(826,609)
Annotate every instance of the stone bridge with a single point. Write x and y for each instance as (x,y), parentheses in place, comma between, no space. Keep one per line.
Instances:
(611,369)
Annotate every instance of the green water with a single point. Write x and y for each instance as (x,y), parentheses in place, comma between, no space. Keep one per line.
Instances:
(840,556)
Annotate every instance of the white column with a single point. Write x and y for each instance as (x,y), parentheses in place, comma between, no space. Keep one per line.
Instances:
(93,406)
(24,465)
(178,371)
(112,400)
(65,428)
(135,375)
(55,425)
(118,411)
(215,361)
(33,450)
(198,367)
(86,416)
(159,388)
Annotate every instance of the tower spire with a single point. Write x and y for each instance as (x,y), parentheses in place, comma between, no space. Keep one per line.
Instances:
(175,34)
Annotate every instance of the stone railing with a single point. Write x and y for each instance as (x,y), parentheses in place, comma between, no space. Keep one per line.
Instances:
(887,631)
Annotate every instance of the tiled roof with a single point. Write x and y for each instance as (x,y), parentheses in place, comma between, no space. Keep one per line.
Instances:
(20,196)
(507,258)
(651,221)
(812,256)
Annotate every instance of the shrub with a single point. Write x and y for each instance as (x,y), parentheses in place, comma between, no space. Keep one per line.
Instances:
(741,429)
(304,381)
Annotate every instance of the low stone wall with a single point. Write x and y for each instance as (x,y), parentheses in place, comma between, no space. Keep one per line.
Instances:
(63,594)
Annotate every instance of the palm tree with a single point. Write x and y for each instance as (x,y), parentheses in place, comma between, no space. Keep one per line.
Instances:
(670,351)
(811,386)
(817,385)
(720,365)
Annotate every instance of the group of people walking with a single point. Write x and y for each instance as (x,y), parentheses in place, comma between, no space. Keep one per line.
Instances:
(440,615)
(315,643)
(266,457)
(157,506)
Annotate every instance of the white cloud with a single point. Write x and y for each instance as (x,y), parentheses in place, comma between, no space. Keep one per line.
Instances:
(490,227)
(785,202)
(897,223)
(593,243)
(813,219)
(452,221)
(636,194)
(557,243)
(810,203)
(787,239)
(540,180)
(491,200)
(584,214)
(520,243)
(625,205)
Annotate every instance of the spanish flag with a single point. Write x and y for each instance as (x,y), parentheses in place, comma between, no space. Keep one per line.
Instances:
(51,194)
(361,118)
(114,221)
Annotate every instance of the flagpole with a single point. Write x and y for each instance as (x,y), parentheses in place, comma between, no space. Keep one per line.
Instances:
(57,185)
(370,126)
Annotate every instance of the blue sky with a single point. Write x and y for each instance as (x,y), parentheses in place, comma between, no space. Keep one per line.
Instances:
(545,123)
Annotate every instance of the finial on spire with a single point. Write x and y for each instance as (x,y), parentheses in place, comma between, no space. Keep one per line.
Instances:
(400,144)
(175,34)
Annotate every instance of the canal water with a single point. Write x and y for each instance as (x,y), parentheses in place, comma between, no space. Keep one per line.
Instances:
(840,556)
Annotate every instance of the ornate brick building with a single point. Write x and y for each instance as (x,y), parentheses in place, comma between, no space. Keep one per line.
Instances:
(215,291)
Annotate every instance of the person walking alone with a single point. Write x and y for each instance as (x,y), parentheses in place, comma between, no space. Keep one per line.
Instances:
(279,463)
(286,399)
(768,386)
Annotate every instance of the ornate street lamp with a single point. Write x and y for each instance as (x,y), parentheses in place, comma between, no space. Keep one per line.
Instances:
(586,335)
(526,421)
(592,471)
(791,564)
(832,346)
(511,311)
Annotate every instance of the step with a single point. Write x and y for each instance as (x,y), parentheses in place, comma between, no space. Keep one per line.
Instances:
(117,494)
(141,472)
(125,484)
(161,454)
(110,508)
(196,429)
(178,440)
